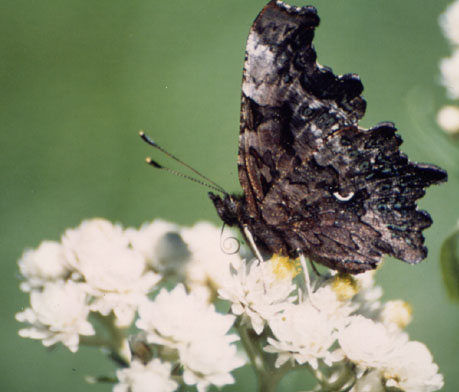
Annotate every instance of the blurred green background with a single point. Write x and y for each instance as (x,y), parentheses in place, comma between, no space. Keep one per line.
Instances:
(79,79)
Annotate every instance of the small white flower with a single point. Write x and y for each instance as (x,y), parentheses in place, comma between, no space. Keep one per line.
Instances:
(369,295)
(154,376)
(176,318)
(448,119)
(258,291)
(161,245)
(336,311)
(190,325)
(57,314)
(412,369)
(210,361)
(449,68)
(369,344)
(303,334)
(449,21)
(115,274)
(42,265)
(209,265)
(396,314)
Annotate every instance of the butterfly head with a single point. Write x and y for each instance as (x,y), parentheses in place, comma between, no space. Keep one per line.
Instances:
(229,208)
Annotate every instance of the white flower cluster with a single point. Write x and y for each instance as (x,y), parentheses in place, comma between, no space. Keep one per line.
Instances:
(193,331)
(448,116)
(345,325)
(102,272)
(342,333)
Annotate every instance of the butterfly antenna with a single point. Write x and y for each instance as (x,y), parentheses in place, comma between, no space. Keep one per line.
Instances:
(211,184)
(156,165)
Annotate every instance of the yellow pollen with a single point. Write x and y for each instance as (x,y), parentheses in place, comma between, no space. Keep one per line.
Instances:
(344,286)
(283,267)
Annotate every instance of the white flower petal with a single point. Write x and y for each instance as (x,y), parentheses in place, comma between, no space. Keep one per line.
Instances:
(369,344)
(302,333)
(209,264)
(449,68)
(448,119)
(412,369)
(209,361)
(57,314)
(155,375)
(257,293)
(175,318)
(449,21)
(45,264)
(115,274)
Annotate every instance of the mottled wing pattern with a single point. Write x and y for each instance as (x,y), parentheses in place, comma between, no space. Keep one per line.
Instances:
(313,181)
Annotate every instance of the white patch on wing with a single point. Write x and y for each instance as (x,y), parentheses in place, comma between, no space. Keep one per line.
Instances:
(340,197)
(258,69)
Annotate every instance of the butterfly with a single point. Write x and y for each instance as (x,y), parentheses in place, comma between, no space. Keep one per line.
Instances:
(315,183)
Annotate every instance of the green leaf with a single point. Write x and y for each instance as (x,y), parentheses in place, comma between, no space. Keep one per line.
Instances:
(449,260)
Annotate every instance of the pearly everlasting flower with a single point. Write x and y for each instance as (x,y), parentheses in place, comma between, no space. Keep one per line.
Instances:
(368,298)
(448,119)
(58,313)
(176,318)
(42,265)
(303,334)
(412,369)
(114,273)
(155,375)
(349,338)
(210,360)
(259,291)
(326,300)
(449,22)
(396,314)
(161,245)
(191,326)
(449,68)
(369,344)
(210,262)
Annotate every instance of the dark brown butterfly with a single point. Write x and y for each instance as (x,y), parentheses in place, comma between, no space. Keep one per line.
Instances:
(314,182)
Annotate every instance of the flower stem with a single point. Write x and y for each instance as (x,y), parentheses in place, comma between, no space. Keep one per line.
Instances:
(252,350)
(268,376)
(115,340)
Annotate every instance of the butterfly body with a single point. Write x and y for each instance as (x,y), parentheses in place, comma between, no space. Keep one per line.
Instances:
(314,182)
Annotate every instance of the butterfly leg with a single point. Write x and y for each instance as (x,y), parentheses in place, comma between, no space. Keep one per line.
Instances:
(307,280)
(252,245)
(255,250)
